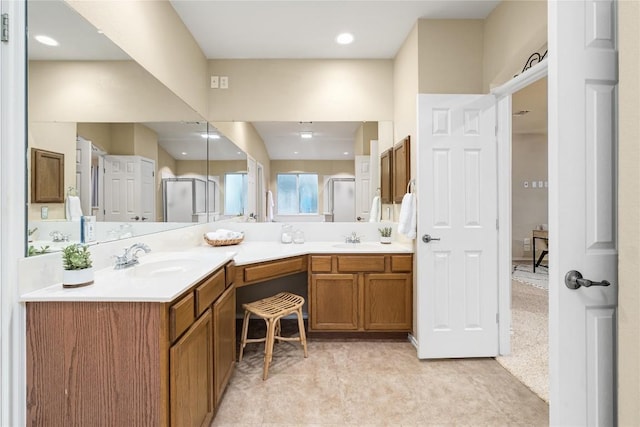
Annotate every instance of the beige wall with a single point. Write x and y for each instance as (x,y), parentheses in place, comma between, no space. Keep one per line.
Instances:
(59,138)
(244,135)
(324,168)
(98,133)
(450,56)
(629,216)
(101,91)
(367,132)
(153,35)
(513,31)
(529,206)
(302,90)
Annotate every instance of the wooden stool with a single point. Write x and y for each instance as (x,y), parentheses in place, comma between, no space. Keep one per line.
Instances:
(272,309)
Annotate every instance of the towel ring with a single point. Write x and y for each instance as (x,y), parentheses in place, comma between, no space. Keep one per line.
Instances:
(411,186)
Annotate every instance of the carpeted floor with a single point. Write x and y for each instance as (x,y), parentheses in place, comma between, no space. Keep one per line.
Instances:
(529,359)
(523,273)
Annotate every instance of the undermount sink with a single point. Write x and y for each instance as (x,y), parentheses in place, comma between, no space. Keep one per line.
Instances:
(163,267)
(356,246)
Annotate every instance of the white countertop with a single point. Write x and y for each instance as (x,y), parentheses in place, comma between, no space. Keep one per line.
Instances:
(162,276)
(253,252)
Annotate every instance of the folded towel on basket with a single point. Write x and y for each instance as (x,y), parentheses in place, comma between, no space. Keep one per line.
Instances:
(407,223)
(376,211)
(223,234)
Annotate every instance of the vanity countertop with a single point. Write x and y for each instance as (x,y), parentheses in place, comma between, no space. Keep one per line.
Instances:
(254,252)
(162,276)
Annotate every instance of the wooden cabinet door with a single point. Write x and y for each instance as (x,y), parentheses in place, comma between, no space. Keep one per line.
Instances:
(224,340)
(388,302)
(191,375)
(401,169)
(334,302)
(386,176)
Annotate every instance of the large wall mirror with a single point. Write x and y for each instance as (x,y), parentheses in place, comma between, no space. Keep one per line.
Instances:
(135,156)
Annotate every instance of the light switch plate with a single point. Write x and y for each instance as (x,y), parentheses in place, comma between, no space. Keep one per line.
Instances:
(526,184)
(540,184)
(224,82)
(533,184)
(214,82)
(44,212)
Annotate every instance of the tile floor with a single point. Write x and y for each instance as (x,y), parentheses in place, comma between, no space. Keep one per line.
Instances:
(374,383)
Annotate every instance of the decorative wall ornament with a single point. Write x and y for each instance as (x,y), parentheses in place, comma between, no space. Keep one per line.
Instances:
(533,60)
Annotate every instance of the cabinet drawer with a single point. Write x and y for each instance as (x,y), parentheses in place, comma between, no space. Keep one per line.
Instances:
(401,263)
(358,263)
(321,263)
(210,290)
(230,273)
(274,269)
(181,316)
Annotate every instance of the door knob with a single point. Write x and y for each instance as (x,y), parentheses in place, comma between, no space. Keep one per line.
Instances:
(144,218)
(573,279)
(427,238)
(135,218)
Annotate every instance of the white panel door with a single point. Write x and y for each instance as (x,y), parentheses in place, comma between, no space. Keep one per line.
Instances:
(122,188)
(148,190)
(83,174)
(583,86)
(252,195)
(457,204)
(363,187)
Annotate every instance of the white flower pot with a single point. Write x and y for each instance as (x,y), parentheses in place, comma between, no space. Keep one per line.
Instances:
(77,278)
(385,239)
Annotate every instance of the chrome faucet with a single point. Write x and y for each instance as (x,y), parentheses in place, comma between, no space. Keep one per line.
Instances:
(57,236)
(130,256)
(353,238)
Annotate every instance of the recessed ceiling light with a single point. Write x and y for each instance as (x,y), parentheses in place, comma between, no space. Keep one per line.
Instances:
(46,40)
(295,152)
(184,153)
(346,153)
(238,152)
(344,38)
(306,134)
(210,135)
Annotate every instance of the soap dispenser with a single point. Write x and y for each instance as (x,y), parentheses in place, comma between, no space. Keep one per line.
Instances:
(286,235)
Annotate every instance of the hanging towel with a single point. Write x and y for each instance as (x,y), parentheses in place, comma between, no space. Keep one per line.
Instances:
(269,206)
(376,210)
(73,208)
(407,223)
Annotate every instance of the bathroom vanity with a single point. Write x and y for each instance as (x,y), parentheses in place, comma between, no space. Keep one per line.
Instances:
(155,344)
(120,357)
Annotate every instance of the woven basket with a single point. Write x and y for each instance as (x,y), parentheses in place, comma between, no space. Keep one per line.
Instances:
(223,242)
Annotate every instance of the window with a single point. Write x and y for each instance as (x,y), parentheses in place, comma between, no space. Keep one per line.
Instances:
(297,193)
(235,193)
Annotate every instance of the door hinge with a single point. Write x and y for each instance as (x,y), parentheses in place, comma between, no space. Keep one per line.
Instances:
(5,27)
(497,224)
(497,317)
(496,129)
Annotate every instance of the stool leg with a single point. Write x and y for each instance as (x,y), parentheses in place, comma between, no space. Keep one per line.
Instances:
(303,336)
(268,344)
(245,328)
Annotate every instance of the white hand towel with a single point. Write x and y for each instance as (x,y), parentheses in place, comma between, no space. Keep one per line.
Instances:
(407,222)
(73,208)
(269,206)
(375,212)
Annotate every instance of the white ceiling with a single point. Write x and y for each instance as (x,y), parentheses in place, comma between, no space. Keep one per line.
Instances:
(307,29)
(276,29)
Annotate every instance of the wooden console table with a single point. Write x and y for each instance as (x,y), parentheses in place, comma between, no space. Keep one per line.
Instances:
(542,235)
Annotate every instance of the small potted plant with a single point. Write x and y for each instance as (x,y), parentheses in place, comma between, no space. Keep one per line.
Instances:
(385,234)
(78,269)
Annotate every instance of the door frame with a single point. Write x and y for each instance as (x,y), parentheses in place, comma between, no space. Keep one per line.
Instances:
(503,95)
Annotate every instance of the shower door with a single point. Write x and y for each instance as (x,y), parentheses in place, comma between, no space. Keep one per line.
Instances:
(343,199)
